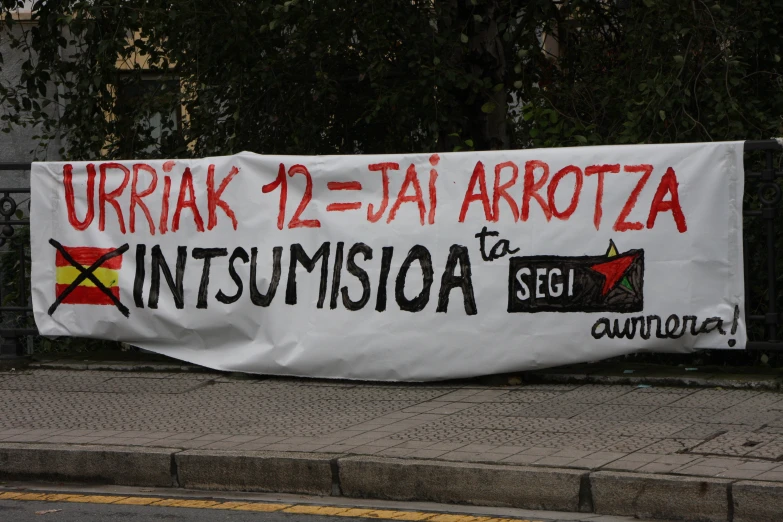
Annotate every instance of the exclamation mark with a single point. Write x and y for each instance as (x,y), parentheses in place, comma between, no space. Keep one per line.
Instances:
(733,342)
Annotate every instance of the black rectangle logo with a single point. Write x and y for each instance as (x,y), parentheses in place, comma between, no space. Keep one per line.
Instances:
(610,283)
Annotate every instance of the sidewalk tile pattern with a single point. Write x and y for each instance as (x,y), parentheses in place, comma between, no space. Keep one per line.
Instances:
(691,431)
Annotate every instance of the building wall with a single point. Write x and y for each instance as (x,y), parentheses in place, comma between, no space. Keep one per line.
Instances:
(19,145)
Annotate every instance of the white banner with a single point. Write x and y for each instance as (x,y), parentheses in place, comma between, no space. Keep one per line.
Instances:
(396,267)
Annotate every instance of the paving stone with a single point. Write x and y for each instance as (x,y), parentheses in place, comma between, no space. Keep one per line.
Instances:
(596,393)
(643,397)
(552,387)
(769,450)
(739,474)
(647,429)
(682,415)
(549,409)
(735,443)
(768,429)
(623,411)
(528,396)
(771,475)
(631,444)
(743,415)
(680,460)
(584,426)
(708,430)
(671,446)
(715,398)
(623,465)
(521,458)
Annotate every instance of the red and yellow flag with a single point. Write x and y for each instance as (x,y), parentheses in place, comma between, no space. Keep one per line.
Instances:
(86,292)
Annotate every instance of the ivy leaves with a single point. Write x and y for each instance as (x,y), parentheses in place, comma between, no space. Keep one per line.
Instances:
(336,76)
(663,71)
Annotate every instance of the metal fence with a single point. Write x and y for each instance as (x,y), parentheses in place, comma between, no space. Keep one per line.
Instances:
(761,240)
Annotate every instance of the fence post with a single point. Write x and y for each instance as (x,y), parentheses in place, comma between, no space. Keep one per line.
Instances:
(12,345)
(769,195)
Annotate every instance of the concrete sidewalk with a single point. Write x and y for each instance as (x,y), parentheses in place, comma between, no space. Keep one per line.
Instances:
(657,452)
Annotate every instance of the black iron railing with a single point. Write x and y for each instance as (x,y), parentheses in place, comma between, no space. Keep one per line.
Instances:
(760,211)
(15,304)
(761,239)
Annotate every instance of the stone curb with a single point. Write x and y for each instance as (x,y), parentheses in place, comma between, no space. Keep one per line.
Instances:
(640,495)
(308,473)
(115,366)
(120,465)
(757,501)
(461,483)
(672,497)
(764,384)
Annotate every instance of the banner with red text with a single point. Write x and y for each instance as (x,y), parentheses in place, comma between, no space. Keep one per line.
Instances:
(396,267)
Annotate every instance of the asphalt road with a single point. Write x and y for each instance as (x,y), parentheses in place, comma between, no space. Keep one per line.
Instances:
(49,502)
(29,511)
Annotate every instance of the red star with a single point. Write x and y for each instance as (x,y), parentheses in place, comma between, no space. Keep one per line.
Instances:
(613,271)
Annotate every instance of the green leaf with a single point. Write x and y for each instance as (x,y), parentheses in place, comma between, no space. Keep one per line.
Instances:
(498,87)
(679,59)
(581,139)
(463,38)
(518,84)
(489,107)
(469,143)
(436,60)
(662,114)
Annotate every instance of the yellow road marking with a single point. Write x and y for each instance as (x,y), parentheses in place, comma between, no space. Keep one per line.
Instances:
(137,501)
(355,512)
(382,513)
(51,497)
(450,518)
(31,496)
(93,499)
(304,509)
(415,516)
(195,503)
(227,505)
(262,507)
(167,502)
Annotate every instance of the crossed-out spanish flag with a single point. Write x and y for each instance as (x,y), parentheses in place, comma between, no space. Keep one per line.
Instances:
(86,292)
